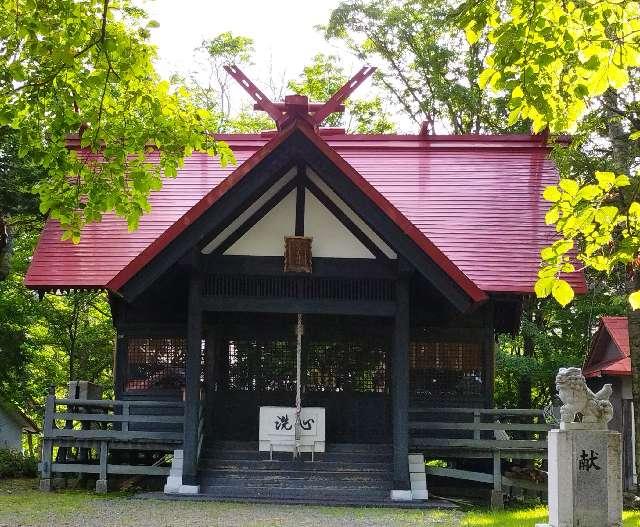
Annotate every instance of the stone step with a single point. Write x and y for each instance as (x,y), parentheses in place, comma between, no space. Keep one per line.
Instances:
(321,494)
(295,483)
(341,457)
(277,476)
(307,466)
(252,446)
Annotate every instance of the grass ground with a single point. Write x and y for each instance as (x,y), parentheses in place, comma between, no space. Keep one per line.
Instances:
(22,505)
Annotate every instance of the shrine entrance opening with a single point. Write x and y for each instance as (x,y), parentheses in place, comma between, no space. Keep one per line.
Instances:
(251,362)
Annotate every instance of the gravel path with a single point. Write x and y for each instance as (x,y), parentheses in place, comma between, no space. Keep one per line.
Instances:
(23,506)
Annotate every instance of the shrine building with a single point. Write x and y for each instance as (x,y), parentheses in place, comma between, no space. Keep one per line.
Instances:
(394,261)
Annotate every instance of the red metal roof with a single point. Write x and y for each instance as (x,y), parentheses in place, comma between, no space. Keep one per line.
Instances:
(613,329)
(473,203)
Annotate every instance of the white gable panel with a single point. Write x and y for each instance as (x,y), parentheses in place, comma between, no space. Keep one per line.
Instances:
(368,232)
(331,239)
(245,215)
(266,238)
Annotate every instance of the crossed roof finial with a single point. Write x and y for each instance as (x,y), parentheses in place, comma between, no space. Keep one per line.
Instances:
(298,106)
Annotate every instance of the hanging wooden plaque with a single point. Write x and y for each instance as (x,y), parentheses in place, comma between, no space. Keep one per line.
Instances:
(297,254)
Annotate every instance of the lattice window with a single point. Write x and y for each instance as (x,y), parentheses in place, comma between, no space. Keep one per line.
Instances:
(155,363)
(446,370)
(346,367)
(262,365)
(327,366)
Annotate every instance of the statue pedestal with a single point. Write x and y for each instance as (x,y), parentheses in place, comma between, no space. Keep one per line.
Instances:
(585,476)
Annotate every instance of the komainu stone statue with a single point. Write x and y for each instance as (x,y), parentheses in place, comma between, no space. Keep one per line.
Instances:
(577,398)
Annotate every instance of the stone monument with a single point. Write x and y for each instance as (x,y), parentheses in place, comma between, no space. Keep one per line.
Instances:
(585,458)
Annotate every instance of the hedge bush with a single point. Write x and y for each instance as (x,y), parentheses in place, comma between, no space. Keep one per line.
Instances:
(15,464)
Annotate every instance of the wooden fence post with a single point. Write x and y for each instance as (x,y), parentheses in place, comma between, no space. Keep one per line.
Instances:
(47,444)
(101,484)
(476,420)
(497,498)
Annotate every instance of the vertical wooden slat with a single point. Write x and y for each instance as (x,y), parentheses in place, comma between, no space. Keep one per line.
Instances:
(125,413)
(476,419)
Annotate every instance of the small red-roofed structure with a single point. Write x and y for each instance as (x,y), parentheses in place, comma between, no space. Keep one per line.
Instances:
(609,361)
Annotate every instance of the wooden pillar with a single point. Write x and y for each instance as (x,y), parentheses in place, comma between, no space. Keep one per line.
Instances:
(489,354)
(192,380)
(47,444)
(121,364)
(400,383)
(211,376)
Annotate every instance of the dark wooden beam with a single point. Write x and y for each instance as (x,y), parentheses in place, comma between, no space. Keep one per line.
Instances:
(121,364)
(300,198)
(273,266)
(256,217)
(400,385)
(292,305)
(345,220)
(192,381)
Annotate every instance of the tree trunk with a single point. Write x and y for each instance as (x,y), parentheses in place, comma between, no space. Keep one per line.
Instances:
(634,346)
(4,249)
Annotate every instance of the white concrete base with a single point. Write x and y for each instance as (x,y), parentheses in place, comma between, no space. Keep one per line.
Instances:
(189,489)
(401,495)
(173,484)
(174,480)
(418,477)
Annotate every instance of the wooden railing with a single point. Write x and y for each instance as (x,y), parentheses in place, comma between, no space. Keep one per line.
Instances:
(452,434)
(94,428)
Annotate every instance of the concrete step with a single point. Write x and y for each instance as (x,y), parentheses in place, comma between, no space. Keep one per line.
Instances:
(337,448)
(321,494)
(330,456)
(222,477)
(307,466)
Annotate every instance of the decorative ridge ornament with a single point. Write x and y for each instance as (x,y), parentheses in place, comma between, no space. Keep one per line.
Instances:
(297,107)
(577,398)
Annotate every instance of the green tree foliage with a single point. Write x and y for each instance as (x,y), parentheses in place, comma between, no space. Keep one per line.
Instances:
(87,67)
(325,76)
(557,61)
(550,337)
(553,60)
(47,342)
(553,57)
(425,64)
(212,87)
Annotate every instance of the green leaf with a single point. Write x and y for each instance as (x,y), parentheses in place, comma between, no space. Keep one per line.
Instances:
(552,216)
(570,186)
(486,76)
(589,192)
(543,286)
(634,300)
(605,179)
(562,292)
(552,194)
